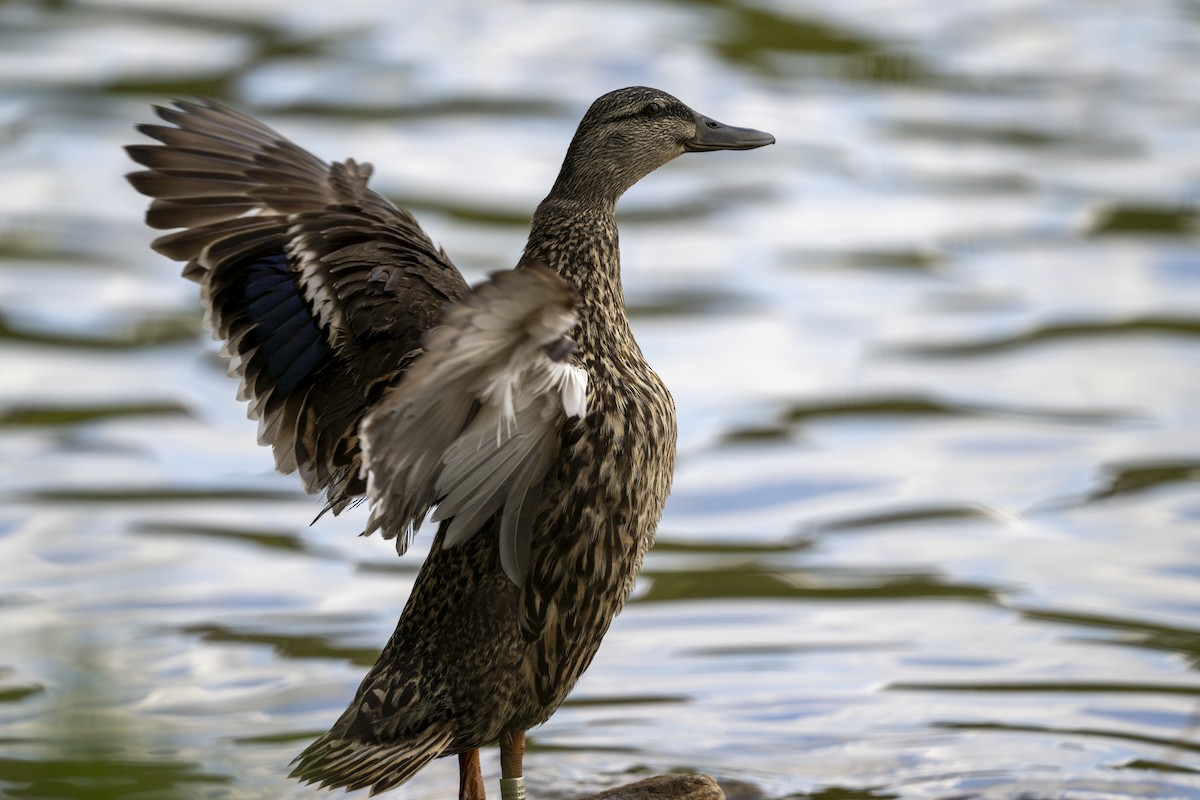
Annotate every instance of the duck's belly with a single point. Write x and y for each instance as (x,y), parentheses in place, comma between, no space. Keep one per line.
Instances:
(608,497)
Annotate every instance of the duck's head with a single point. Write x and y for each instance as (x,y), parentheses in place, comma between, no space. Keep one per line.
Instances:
(629,133)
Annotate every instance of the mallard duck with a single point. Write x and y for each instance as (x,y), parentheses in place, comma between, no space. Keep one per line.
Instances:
(521,413)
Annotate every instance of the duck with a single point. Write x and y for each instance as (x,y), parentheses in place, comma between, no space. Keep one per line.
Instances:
(519,416)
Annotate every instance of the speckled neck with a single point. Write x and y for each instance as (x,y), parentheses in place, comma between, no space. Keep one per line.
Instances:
(580,243)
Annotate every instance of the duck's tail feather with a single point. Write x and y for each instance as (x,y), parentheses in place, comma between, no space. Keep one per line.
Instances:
(351,763)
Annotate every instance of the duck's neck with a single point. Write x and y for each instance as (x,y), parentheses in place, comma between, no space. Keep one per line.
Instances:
(579,242)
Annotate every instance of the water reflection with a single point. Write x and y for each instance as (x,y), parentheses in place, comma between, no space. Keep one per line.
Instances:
(934,527)
(85,745)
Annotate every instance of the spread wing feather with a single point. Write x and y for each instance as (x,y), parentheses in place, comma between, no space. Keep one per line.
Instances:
(476,423)
(320,289)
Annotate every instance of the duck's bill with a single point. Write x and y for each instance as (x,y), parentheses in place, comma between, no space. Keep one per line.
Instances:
(713,135)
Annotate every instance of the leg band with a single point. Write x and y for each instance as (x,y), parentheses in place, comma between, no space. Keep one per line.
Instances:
(512,789)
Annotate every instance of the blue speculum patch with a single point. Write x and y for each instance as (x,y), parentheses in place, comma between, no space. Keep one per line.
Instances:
(290,343)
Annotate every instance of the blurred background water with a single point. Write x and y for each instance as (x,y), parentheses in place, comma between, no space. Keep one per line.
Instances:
(936,526)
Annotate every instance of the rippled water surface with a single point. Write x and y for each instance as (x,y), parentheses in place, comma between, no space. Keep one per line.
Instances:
(935,530)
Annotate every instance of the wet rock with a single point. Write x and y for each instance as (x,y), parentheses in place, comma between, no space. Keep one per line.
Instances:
(741,790)
(664,787)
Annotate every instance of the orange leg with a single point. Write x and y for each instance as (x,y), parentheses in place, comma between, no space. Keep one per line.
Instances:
(470,778)
(512,772)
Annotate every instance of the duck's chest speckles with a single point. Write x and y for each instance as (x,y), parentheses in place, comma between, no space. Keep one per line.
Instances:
(629,441)
(622,454)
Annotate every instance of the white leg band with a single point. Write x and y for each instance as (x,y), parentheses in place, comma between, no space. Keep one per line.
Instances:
(512,789)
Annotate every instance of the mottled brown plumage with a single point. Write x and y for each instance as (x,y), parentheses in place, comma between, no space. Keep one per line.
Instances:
(323,293)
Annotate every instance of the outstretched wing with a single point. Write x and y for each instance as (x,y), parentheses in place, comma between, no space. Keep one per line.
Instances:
(476,423)
(321,289)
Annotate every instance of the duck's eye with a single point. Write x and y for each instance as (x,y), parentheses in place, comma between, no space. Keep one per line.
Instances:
(652,109)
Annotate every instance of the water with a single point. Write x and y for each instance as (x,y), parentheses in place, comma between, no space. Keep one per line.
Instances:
(936,525)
